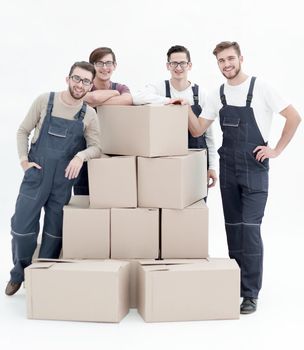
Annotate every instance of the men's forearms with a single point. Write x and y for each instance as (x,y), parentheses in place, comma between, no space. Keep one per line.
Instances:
(99,97)
(123,100)
(197,126)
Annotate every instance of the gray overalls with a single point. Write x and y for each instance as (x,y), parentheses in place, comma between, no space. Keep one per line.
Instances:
(58,142)
(244,189)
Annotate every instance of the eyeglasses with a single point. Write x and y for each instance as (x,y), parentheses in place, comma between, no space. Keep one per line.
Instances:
(182,64)
(101,64)
(77,79)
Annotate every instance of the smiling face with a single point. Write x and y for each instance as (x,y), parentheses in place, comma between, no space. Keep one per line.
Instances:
(179,72)
(79,89)
(229,63)
(105,67)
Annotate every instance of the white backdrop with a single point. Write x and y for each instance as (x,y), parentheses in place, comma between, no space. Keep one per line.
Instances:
(39,42)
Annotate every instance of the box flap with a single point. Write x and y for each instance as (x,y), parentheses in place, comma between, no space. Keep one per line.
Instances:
(78,202)
(151,262)
(194,265)
(42,265)
(56,260)
(91,265)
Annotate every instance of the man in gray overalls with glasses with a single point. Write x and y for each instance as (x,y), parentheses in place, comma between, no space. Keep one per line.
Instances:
(61,122)
(245,106)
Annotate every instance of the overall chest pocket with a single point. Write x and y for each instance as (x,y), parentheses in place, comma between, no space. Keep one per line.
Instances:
(57,137)
(231,121)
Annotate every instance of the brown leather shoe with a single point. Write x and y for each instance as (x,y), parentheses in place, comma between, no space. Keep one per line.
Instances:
(12,288)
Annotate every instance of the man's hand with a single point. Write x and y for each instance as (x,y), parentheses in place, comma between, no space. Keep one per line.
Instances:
(263,152)
(73,169)
(211,175)
(177,101)
(26,165)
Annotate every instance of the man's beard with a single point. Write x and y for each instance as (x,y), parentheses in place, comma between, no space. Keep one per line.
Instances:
(76,97)
(230,77)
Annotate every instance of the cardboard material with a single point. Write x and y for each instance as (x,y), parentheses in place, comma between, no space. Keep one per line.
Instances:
(184,233)
(172,182)
(112,182)
(206,290)
(134,266)
(86,231)
(134,233)
(95,291)
(144,130)
(133,282)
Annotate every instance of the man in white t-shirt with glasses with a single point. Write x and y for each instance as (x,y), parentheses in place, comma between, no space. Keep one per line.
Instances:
(180,90)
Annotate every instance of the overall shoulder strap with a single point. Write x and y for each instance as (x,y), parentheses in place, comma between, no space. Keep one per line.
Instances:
(168,92)
(195,93)
(222,95)
(80,115)
(50,103)
(250,92)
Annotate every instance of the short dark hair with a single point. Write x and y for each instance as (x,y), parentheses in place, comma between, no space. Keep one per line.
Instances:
(99,53)
(226,45)
(178,48)
(84,65)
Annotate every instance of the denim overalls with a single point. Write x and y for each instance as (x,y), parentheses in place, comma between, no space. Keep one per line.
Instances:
(244,189)
(58,142)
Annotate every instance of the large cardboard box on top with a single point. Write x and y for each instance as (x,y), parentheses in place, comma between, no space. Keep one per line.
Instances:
(86,231)
(144,130)
(95,291)
(206,290)
(134,233)
(172,182)
(112,182)
(184,232)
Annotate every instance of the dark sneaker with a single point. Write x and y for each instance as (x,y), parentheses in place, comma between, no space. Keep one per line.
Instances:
(248,306)
(12,288)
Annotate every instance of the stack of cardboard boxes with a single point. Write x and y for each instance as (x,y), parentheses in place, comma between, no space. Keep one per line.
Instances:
(141,238)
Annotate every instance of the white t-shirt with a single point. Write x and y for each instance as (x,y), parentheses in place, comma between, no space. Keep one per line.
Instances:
(156,94)
(265,102)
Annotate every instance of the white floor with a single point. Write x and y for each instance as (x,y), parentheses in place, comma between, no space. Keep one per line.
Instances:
(278,321)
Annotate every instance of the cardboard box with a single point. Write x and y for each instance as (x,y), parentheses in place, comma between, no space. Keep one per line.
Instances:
(95,291)
(112,182)
(134,233)
(172,182)
(184,232)
(144,130)
(206,290)
(134,266)
(86,231)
